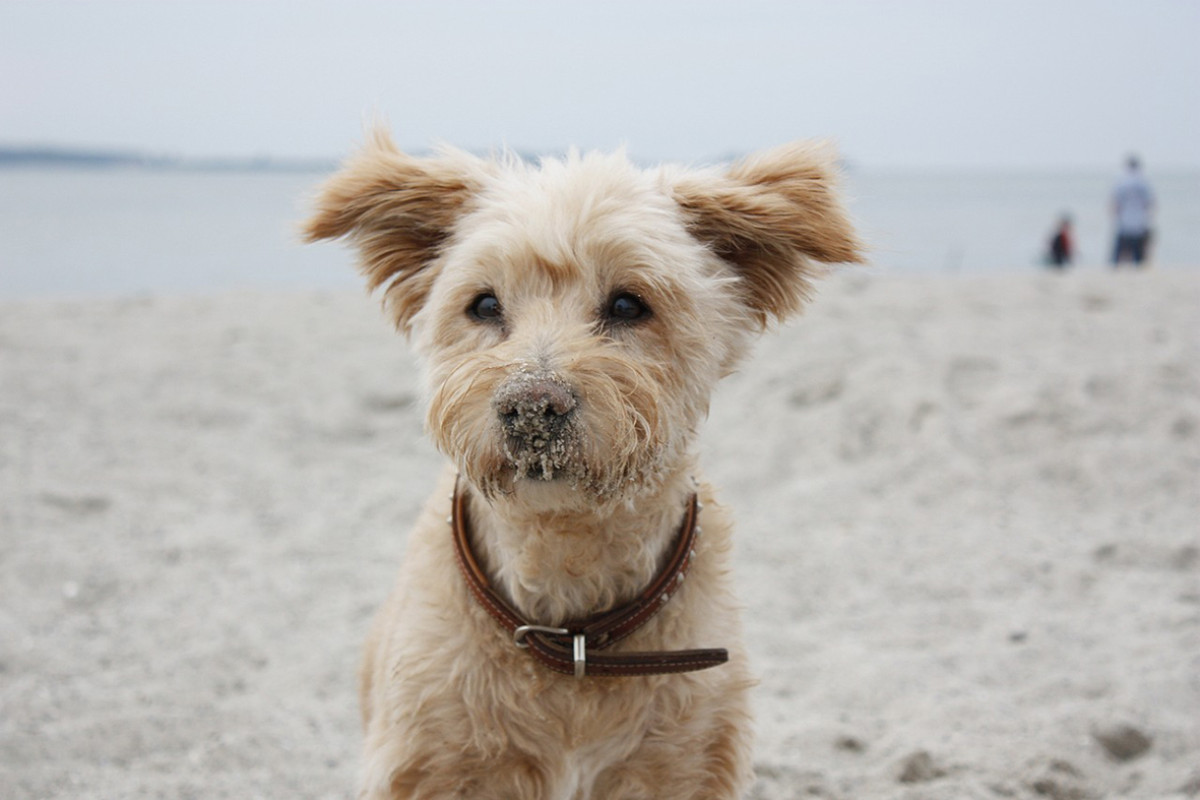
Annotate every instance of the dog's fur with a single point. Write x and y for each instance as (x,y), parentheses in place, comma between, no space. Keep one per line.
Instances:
(575,516)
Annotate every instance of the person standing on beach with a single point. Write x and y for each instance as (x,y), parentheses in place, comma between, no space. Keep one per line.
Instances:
(1132,204)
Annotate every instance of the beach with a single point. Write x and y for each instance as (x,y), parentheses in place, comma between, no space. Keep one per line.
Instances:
(968,537)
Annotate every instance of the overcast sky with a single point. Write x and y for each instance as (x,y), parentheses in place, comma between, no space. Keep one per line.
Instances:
(906,83)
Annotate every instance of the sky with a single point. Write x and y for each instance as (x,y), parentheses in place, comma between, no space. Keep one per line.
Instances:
(926,84)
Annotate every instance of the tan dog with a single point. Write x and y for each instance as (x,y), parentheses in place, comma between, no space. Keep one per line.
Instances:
(573,319)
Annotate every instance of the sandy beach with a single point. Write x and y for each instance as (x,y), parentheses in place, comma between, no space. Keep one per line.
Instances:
(968,517)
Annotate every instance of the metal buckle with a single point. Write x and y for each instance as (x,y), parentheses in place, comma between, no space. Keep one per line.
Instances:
(520,633)
(578,643)
(580,655)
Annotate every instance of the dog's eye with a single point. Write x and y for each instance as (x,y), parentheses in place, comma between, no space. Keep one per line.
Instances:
(625,307)
(485,307)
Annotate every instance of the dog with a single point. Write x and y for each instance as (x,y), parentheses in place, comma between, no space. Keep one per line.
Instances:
(565,625)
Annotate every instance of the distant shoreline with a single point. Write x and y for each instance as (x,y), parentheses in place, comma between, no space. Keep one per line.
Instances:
(83,157)
(39,157)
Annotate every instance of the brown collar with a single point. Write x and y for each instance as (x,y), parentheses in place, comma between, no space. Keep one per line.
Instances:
(571,649)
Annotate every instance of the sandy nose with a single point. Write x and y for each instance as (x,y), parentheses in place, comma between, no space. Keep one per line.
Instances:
(529,401)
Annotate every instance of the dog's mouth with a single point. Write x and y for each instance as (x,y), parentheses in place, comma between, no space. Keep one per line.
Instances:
(545,474)
(543,457)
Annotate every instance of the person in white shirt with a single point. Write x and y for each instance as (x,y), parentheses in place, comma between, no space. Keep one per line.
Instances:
(1132,206)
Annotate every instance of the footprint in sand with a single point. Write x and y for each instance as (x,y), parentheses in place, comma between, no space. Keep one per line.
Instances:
(969,379)
(1061,780)
(1123,742)
(83,505)
(817,386)
(389,403)
(1096,302)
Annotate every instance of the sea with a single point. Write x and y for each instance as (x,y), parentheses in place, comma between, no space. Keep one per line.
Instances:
(70,232)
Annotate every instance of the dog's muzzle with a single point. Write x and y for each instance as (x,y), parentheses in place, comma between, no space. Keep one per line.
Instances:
(536,411)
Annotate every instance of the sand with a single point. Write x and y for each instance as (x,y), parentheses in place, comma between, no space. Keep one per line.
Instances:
(969,520)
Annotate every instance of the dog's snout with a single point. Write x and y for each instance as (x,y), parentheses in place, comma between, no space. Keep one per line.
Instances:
(531,400)
(536,411)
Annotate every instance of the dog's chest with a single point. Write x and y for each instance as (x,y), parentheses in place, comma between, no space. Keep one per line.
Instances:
(582,766)
(583,733)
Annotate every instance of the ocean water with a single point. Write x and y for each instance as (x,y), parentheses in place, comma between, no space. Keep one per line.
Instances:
(116,232)
(987,222)
(112,232)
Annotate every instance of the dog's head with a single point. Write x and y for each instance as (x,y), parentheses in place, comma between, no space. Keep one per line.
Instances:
(573,317)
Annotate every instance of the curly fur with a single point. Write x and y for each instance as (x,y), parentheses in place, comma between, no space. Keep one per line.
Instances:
(575,515)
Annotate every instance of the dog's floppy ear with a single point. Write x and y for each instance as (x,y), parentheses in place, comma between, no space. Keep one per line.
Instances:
(397,210)
(770,216)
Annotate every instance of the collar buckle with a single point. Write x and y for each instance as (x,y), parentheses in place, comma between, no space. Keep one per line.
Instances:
(523,630)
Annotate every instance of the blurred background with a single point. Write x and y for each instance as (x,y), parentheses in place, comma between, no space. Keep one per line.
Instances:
(170,147)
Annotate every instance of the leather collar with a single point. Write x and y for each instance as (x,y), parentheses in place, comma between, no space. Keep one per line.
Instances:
(572,648)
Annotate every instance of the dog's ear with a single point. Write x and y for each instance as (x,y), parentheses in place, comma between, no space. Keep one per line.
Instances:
(771,216)
(397,210)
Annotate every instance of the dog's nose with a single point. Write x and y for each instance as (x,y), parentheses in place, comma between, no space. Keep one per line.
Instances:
(534,405)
